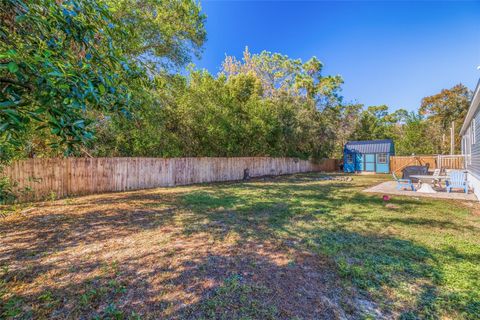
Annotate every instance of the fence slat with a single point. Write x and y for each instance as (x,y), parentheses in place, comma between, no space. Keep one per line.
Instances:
(38,178)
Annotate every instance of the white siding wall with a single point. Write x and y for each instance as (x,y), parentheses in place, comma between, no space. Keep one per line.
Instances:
(472,145)
(471,150)
(474,184)
(471,142)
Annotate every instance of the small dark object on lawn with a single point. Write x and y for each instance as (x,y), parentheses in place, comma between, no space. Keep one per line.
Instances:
(246,174)
(386,197)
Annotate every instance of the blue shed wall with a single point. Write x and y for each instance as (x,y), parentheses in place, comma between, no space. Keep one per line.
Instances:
(366,155)
(365,162)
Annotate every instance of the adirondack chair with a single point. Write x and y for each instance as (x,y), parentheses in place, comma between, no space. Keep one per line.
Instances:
(457,180)
(403,183)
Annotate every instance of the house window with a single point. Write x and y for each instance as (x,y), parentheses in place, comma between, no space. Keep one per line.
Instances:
(382,158)
(349,158)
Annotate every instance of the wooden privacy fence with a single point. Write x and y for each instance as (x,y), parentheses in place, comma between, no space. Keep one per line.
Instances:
(38,178)
(397,163)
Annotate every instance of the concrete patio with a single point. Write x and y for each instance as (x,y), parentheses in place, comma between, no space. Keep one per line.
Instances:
(390,187)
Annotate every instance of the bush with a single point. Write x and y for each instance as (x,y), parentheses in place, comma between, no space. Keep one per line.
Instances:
(7,194)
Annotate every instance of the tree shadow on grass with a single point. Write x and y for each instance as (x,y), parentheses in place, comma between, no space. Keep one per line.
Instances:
(172,256)
(182,279)
(192,279)
(255,281)
(373,263)
(41,235)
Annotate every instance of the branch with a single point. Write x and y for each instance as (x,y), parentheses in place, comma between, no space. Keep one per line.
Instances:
(16,83)
(86,152)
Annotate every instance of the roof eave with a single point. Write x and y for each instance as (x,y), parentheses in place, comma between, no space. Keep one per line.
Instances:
(474,105)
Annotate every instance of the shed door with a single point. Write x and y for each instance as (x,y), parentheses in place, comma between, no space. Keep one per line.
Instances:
(358,162)
(370,162)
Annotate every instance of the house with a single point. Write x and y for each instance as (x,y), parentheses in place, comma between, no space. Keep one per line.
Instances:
(470,143)
(368,156)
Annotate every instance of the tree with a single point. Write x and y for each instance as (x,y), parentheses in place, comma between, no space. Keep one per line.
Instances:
(411,129)
(299,90)
(450,105)
(59,59)
(374,123)
(162,33)
(267,105)
(411,138)
(348,117)
(281,75)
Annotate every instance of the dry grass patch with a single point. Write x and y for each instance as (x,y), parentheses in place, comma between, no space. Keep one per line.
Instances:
(150,255)
(275,248)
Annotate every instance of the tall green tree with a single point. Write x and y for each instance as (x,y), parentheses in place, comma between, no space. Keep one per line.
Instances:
(163,33)
(59,59)
(373,123)
(411,138)
(265,105)
(281,75)
(347,122)
(441,109)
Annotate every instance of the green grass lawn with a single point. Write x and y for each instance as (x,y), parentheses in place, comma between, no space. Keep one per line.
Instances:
(415,259)
(422,258)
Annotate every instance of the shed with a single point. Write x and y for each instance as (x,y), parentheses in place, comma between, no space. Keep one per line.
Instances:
(368,156)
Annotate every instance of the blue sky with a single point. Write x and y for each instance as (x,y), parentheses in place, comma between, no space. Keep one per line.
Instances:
(387,52)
